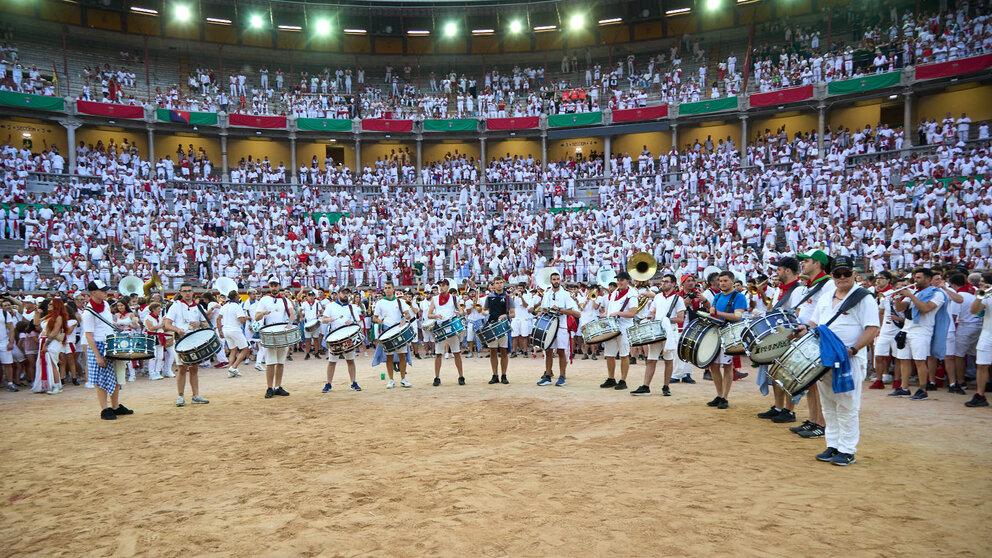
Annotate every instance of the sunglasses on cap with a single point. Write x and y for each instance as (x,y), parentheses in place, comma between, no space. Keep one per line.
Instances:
(841,273)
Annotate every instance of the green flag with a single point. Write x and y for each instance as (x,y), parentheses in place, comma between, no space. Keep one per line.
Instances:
(577,119)
(28,101)
(451,125)
(712,105)
(866,83)
(324,124)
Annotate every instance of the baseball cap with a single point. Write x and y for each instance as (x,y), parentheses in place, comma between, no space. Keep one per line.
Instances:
(844,262)
(623,275)
(788,262)
(817,255)
(97,285)
(273,280)
(443,281)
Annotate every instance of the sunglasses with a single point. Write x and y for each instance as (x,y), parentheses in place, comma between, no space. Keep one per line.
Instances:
(842,274)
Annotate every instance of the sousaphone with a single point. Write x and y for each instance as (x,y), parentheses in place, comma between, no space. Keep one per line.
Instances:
(642,266)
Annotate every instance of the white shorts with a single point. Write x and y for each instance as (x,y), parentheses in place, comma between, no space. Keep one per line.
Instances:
(619,346)
(966,341)
(656,351)
(723,358)
(521,327)
(501,343)
(6,357)
(350,355)
(235,338)
(885,346)
(949,342)
(917,348)
(451,345)
(561,340)
(311,334)
(276,355)
(983,355)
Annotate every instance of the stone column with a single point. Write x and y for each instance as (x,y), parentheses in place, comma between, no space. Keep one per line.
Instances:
(821,126)
(151,145)
(225,175)
(544,150)
(70,125)
(907,117)
(482,159)
(292,158)
(420,157)
(675,137)
(743,146)
(358,156)
(607,153)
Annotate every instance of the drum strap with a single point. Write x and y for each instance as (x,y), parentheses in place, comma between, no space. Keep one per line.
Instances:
(851,301)
(816,288)
(675,299)
(102,319)
(786,296)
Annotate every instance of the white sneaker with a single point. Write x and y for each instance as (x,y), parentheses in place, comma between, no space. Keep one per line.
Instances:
(200,400)
(170,374)
(390,384)
(447,355)
(130,378)
(237,373)
(259,367)
(155,376)
(89,385)
(230,373)
(405,383)
(180,401)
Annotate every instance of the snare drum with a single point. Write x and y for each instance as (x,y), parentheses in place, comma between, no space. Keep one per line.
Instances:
(545,329)
(397,337)
(603,329)
(345,339)
(197,346)
(730,337)
(276,336)
(494,331)
(448,328)
(699,343)
(646,333)
(767,338)
(800,366)
(130,346)
(312,326)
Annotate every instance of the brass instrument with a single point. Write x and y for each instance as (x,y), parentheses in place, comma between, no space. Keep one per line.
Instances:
(130,286)
(542,279)
(982,294)
(760,289)
(642,300)
(642,266)
(154,283)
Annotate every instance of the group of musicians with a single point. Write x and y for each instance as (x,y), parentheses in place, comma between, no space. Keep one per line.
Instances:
(820,292)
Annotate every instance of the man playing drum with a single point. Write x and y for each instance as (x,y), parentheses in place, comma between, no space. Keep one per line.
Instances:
(445,306)
(310,311)
(728,306)
(184,316)
(273,308)
(557,298)
(498,306)
(790,293)
(340,313)
(102,373)
(622,305)
(667,304)
(388,312)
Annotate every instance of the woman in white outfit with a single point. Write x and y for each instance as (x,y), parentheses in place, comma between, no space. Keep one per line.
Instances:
(154,324)
(47,377)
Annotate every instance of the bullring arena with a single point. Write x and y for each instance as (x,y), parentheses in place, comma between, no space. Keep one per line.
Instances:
(495,278)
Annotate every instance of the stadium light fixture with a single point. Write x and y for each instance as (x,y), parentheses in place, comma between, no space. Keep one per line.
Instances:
(515,26)
(576,22)
(483,31)
(543,28)
(144,11)
(182,12)
(355,31)
(219,21)
(712,5)
(450,29)
(289,28)
(611,21)
(418,32)
(255,21)
(323,27)
(678,11)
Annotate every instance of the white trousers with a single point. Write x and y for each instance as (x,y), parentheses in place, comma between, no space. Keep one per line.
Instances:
(840,410)
(155,365)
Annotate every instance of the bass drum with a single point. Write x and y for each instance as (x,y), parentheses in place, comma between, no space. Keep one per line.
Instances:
(397,337)
(345,339)
(545,330)
(277,336)
(800,367)
(699,343)
(197,346)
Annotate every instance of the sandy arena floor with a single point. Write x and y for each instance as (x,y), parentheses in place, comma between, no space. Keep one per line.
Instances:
(481,470)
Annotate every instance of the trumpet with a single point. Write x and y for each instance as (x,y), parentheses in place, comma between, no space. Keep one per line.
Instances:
(760,289)
(982,294)
(889,294)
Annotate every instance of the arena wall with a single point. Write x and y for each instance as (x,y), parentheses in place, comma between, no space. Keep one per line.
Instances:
(560,150)
(522,147)
(971,98)
(717,130)
(385,149)
(435,151)
(793,123)
(258,148)
(93,134)
(657,142)
(856,116)
(166,144)
(42,134)
(305,152)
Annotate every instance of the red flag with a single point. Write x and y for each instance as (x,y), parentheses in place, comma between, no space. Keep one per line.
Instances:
(252,121)
(960,66)
(645,113)
(109,109)
(515,123)
(386,125)
(781,96)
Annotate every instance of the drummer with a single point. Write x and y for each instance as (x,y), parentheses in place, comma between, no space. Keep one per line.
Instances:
(273,308)
(557,298)
(498,306)
(311,311)
(728,306)
(443,307)
(183,317)
(668,307)
(389,311)
(230,323)
(622,304)
(790,294)
(342,313)
(816,266)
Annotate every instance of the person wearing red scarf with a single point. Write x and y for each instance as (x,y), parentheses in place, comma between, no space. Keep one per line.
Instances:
(885,344)
(183,317)
(155,326)
(815,267)
(272,309)
(106,379)
(445,306)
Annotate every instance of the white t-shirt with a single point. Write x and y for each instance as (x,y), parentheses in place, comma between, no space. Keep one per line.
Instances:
(309,310)
(851,324)
(559,300)
(279,309)
(391,312)
(446,311)
(618,303)
(93,324)
(4,337)
(341,315)
(662,303)
(229,315)
(923,327)
(182,316)
(985,339)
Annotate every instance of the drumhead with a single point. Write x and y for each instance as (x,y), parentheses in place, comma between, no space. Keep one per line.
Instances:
(194,339)
(312,323)
(343,332)
(393,331)
(277,328)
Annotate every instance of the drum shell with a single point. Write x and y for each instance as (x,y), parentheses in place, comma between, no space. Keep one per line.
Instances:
(545,330)
(448,328)
(205,351)
(690,342)
(312,326)
(601,330)
(803,354)
(646,333)
(393,343)
(278,338)
(346,344)
(767,338)
(494,331)
(730,338)
(129,346)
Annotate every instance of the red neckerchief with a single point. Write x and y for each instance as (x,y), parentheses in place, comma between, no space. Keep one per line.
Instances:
(817,279)
(967,288)
(99,309)
(785,288)
(621,293)
(442,299)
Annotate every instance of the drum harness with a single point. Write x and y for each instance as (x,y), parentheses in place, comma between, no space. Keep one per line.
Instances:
(102,319)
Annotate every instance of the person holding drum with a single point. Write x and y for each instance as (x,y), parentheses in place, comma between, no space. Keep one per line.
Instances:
(184,316)
(443,307)
(338,314)
(790,294)
(622,304)
(669,308)
(816,266)
(231,320)
(391,311)
(558,300)
(727,306)
(855,327)
(96,327)
(499,308)
(310,311)
(273,308)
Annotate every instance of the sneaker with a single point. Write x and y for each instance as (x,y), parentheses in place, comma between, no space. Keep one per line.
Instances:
(494,379)
(447,355)
(920,395)
(108,414)
(633,360)
(327,388)
(122,410)
(437,382)
(544,381)
(468,355)
(503,380)
(593,357)
(707,376)
(180,401)
(237,373)
(280,391)
(740,375)
(957,389)
(200,399)
(169,374)
(585,357)
(230,373)
(977,401)
(87,385)
(843,459)
(899,392)
(12,387)
(772,412)
(714,403)
(390,384)
(130,377)
(405,383)
(307,357)
(416,356)
(931,386)
(75,381)
(877,384)
(784,416)
(560,382)
(620,385)
(354,387)
(150,377)
(827,456)
(610,382)
(666,391)
(674,381)
(461,380)
(259,367)
(723,404)
(289,357)
(687,379)
(806,425)
(815,431)
(643,390)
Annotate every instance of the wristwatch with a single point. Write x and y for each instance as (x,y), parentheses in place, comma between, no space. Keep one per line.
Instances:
(853,351)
